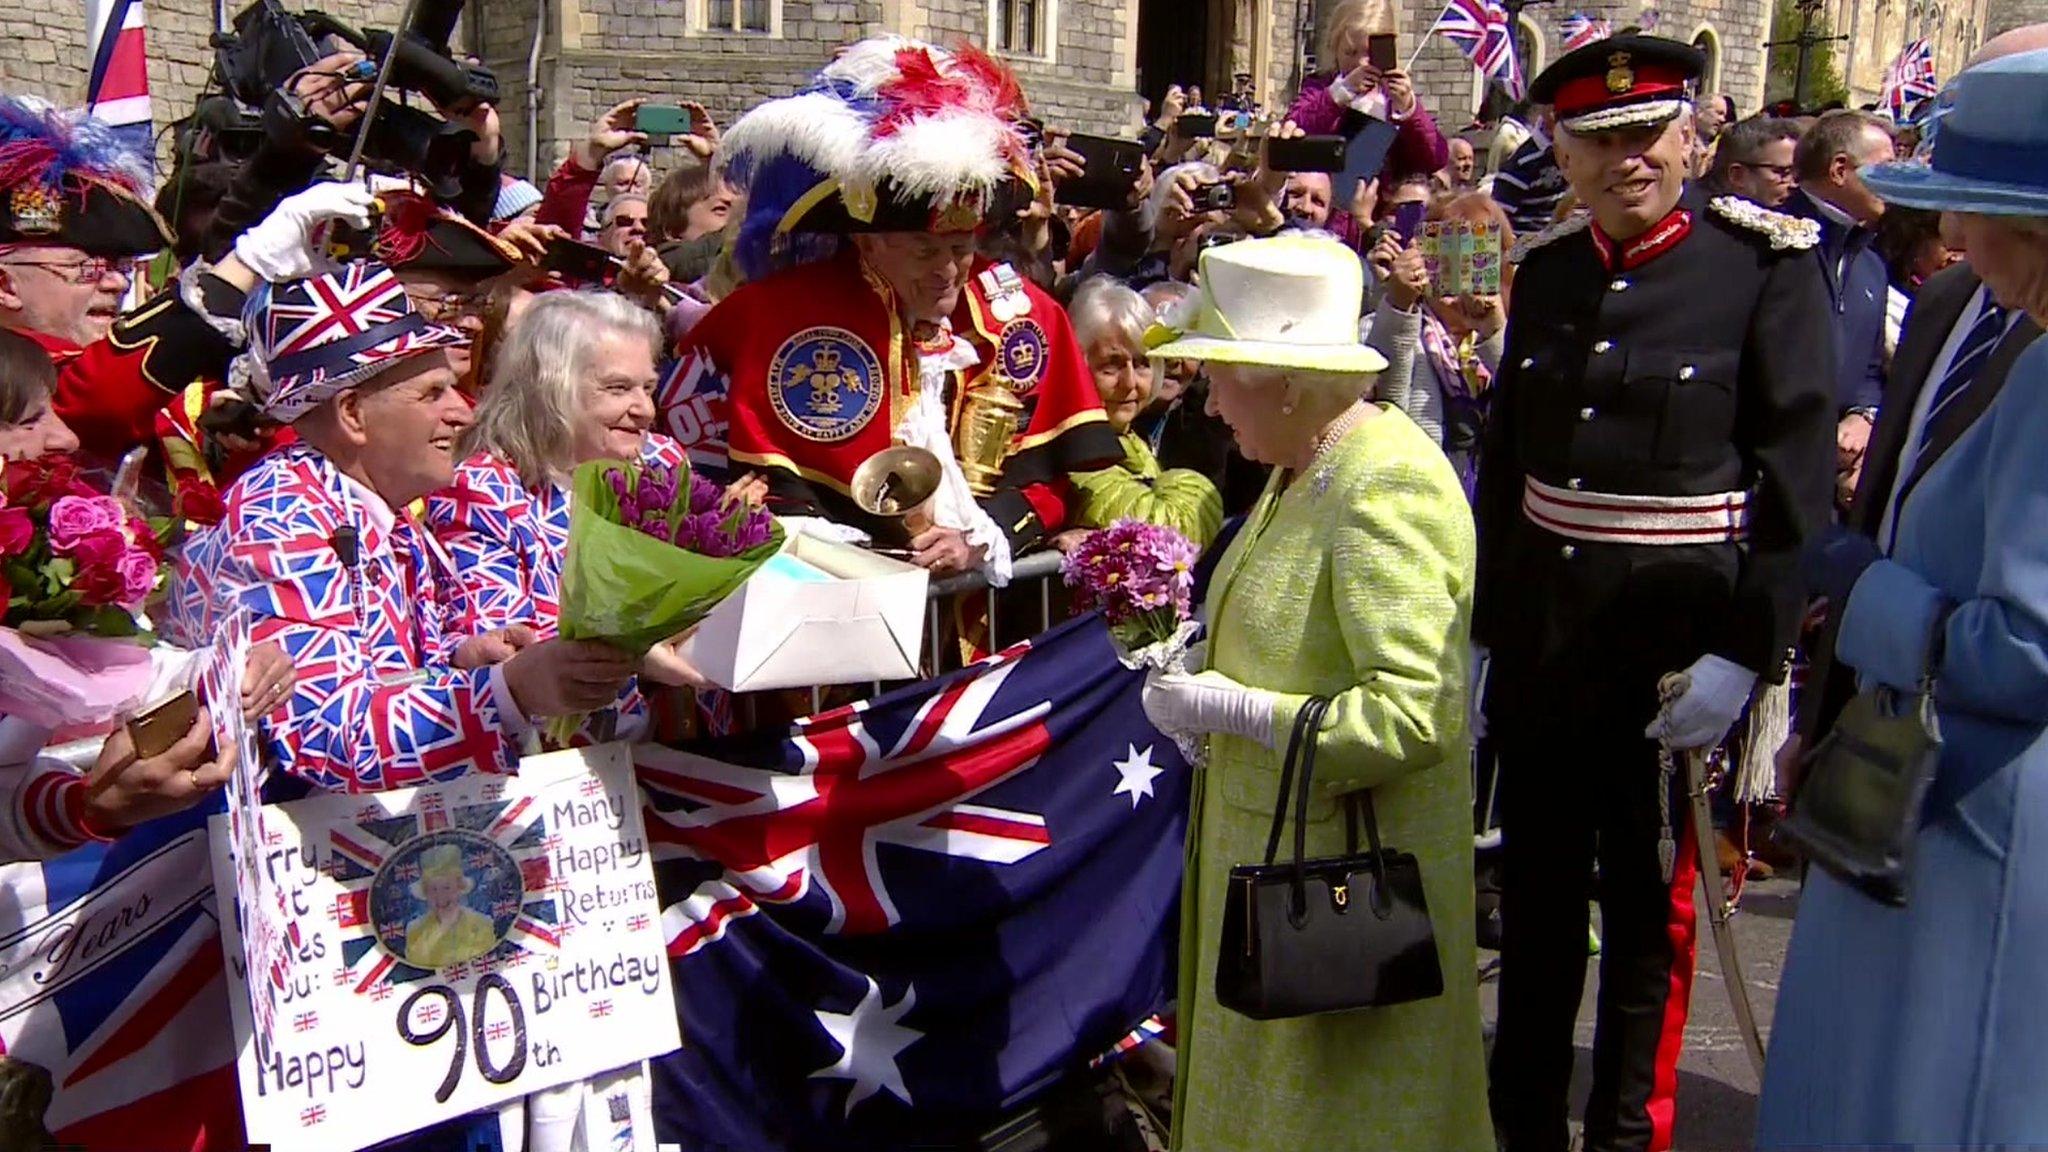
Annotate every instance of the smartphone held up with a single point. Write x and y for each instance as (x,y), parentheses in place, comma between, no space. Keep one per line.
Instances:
(661,120)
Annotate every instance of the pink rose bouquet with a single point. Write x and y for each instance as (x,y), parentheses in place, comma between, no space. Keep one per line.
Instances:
(76,570)
(73,560)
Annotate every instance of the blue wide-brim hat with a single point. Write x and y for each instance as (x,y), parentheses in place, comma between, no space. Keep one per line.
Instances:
(1989,152)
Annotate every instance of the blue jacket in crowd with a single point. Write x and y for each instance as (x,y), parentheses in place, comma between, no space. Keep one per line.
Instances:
(1856,288)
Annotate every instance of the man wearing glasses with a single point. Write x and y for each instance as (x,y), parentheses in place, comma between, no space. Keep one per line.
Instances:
(71,225)
(447,264)
(1754,161)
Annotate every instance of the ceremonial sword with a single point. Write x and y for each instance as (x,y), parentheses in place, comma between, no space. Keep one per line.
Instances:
(1698,784)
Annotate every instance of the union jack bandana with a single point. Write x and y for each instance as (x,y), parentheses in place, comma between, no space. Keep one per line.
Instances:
(313,339)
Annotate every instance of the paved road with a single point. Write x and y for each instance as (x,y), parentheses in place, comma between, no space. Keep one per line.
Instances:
(1716,1088)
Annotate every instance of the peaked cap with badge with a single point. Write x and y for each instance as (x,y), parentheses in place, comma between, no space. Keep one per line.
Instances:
(810,367)
(1659,448)
(1625,81)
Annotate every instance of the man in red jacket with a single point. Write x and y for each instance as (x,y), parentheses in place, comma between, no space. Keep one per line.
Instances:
(868,320)
(73,223)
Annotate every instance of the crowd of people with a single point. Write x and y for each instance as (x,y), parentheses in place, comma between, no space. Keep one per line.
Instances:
(1735,418)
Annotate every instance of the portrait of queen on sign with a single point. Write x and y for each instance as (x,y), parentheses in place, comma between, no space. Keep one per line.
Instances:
(445,898)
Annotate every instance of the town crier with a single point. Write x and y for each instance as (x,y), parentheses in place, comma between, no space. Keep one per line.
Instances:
(869,321)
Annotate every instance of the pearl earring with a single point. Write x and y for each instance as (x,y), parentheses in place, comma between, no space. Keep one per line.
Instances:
(1287,409)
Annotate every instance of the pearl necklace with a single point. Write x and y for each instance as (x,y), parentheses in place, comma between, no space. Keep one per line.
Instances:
(1338,429)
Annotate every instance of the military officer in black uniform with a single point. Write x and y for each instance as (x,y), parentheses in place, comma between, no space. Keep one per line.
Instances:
(1661,444)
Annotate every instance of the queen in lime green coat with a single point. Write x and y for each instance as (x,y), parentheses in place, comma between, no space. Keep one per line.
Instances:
(1110,322)
(1352,580)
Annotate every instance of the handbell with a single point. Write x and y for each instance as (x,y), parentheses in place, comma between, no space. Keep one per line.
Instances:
(898,484)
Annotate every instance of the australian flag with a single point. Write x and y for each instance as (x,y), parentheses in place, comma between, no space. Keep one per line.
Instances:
(895,922)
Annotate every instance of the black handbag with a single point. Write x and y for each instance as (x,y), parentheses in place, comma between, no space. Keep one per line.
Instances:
(1859,803)
(1328,935)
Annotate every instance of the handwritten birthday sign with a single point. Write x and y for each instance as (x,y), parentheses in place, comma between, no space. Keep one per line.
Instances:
(447,949)
(263,947)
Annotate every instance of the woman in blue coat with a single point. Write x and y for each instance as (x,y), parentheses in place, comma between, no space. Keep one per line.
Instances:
(1927,1025)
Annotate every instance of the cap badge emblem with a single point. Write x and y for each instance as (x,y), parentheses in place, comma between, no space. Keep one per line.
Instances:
(1620,77)
(38,211)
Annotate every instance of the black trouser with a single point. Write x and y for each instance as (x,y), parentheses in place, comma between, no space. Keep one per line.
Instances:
(1576,792)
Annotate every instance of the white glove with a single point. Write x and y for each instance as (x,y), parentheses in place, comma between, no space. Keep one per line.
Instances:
(289,244)
(1211,702)
(1710,707)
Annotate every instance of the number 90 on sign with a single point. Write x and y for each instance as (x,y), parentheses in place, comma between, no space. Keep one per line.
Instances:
(435,1012)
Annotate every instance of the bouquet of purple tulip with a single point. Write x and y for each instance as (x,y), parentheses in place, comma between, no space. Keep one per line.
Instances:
(704,525)
(652,551)
(1140,576)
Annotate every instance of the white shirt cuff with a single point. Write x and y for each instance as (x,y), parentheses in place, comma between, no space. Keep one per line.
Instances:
(515,721)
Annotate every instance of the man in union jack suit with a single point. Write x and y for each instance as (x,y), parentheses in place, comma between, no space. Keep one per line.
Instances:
(319,545)
(869,320)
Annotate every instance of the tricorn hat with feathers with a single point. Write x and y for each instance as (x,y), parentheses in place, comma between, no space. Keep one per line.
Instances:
(70,180)
(895,135)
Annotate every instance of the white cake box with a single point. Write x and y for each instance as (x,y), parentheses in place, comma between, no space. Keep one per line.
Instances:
(819,613)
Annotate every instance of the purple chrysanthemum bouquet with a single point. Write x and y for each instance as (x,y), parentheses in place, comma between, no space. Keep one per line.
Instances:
(1141,577)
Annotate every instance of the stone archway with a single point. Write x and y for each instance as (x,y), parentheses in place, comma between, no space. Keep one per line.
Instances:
(1707,40)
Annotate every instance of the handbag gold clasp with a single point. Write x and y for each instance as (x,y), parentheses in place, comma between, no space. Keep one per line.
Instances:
(1341,894)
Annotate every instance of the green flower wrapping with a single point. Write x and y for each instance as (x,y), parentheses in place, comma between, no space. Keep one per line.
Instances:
(629,588)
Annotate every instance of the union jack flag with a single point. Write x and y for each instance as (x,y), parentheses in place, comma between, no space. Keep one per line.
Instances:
(692,402)
(1579,30)
(112,979)
(1485,33)
(903,917)
(117,89)
(1909,80)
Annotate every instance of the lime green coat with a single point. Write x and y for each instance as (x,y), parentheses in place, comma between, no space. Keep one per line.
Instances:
(1136,489)
(1356,585)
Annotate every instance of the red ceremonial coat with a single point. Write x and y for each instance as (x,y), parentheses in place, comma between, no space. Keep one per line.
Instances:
(809,372)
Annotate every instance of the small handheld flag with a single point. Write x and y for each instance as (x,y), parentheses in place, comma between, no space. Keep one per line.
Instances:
(117,88)
(1579,30)
(1909,80)
(1483,31)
